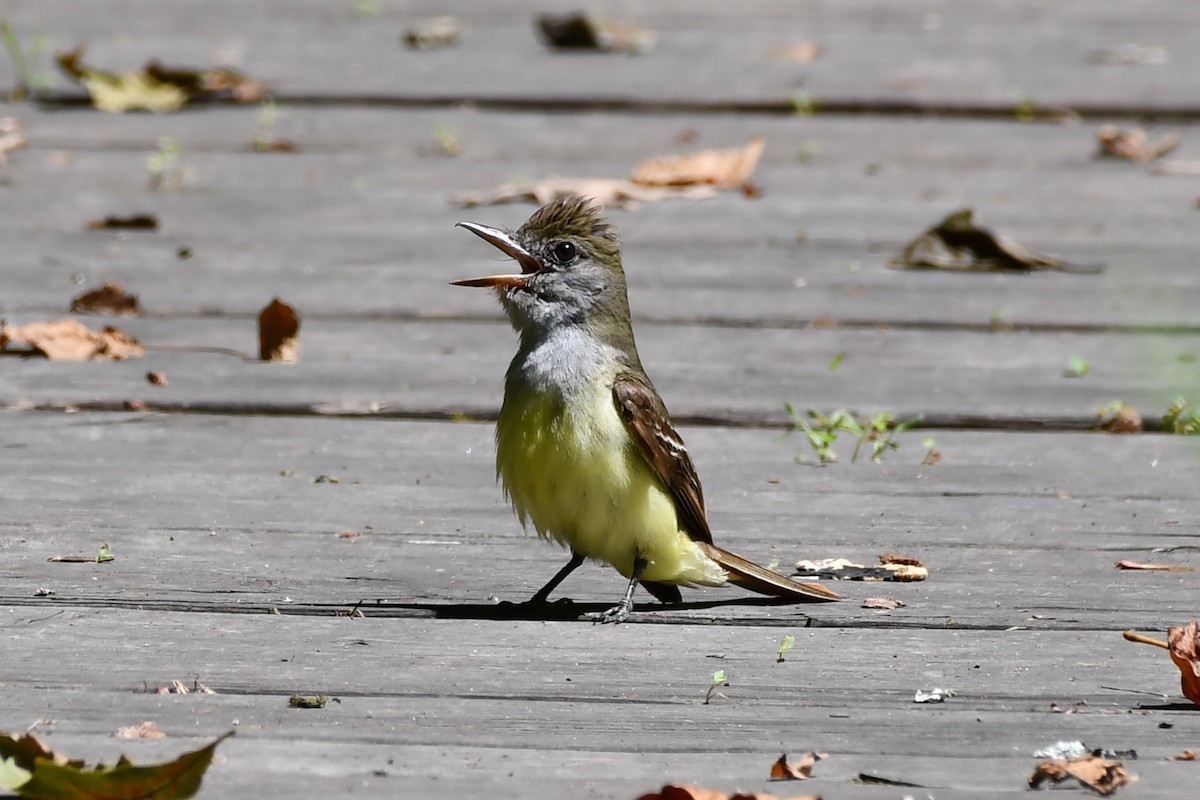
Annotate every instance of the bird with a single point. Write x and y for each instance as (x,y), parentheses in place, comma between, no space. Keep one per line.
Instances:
(585,447)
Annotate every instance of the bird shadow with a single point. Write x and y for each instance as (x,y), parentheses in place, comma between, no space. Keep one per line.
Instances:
(558,610)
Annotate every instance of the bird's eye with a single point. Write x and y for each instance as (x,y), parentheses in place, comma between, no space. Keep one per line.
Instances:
(563,252)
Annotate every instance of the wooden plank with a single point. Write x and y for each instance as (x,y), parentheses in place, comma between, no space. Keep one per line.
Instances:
(738,375)
(544,701)
(926,54)
(361,224)
(1012,525)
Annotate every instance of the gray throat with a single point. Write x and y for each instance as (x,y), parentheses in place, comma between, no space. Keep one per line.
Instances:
(565,360)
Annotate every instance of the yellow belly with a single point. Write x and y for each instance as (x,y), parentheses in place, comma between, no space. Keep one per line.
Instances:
(580,479)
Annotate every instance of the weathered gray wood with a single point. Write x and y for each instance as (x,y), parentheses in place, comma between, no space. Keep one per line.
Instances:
(200,517)
(361,223)
(734,374)
(974,54)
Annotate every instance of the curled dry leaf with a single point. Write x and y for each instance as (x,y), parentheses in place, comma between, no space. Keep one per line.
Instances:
(133,222)
(1132,144)
(1185,755)
(147,730)
(434,32)
(783,770)
(882,603)
(957,243)
(578,31)
(1101,775)
(697,176)
(279,333)
(725,169)
(1154,567)
(110,299)
(157,88)
(156,378)
(1184,648)
(1121,418)
(69,340)
(11,138)
(682,792)
(900,558)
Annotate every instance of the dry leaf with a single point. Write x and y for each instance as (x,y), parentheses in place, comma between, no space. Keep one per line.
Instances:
(35,772)
(681,792)
(900,558)
(800,770)
(1186,755)
(609,192)
(578,31)
(69,340)
(1124,419)
(147,730)
(800,52)
(1154,567)
(1185,652)
(1098,774)
(724,169)
(157,88)
(434,32)
(110,298)
(279,333)
(348,535)
(156,378)
(133,222)
(1132,144)
(884,603)
(274,146)
(957,243)
(11,138)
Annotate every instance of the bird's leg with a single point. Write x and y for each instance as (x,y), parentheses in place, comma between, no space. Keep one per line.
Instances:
(620,612)
(544,592)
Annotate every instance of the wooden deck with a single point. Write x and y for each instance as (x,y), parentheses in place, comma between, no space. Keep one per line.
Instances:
(229,566)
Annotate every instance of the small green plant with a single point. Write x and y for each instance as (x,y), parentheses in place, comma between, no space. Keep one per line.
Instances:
(1077,367)
(718,679)
(802,104)
(785,645)
(836,362)
(27,79)
(166,167)
(932,454)
(1182,417)
(822,431)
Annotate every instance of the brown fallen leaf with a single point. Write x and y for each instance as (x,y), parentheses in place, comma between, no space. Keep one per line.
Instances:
(157,88)
(11,138)
(274,146)
(434,32)
(683,792)
(579,31)
(882,603)
(147,730)
(609,192)
(1132,144)
(957,243)
(1120,417)
(900,558)
(1154,567)
(279,333)
(111,298)
(69,340)
(783,770)
(31,770)
(1184,648)
(725,169)
(133,222)
(348,534)
(1185,755)
(156,378)
(1101,775)
(799,52)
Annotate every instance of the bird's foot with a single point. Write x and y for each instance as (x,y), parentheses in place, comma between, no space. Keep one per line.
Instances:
(618,613)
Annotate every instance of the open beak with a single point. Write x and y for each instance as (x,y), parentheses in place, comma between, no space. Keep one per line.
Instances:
(504,241)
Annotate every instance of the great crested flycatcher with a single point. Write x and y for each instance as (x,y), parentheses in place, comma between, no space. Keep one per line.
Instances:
(584,444)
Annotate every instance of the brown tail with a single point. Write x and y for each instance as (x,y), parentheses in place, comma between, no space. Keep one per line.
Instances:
(748,575)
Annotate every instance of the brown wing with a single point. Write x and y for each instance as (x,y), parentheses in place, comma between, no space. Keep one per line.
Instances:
(647,420)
